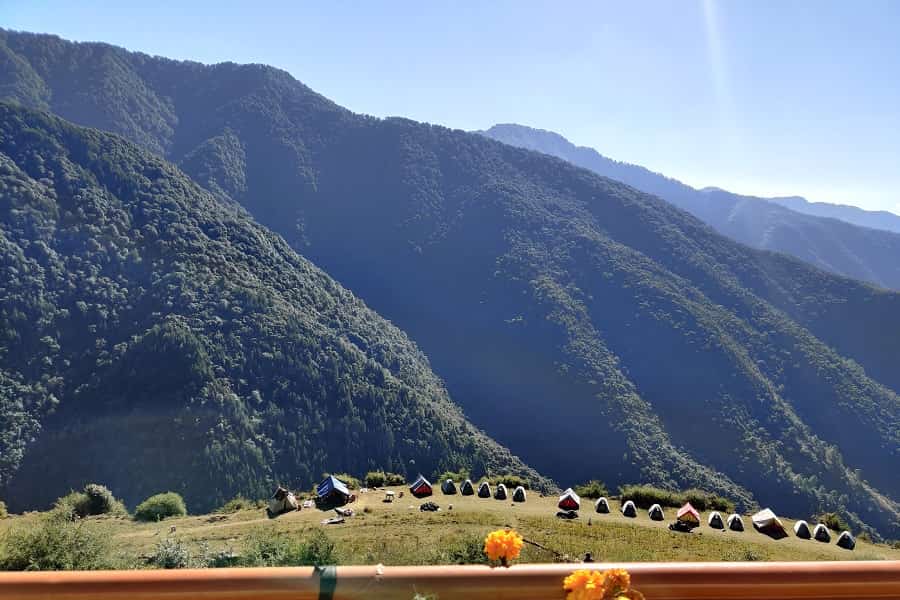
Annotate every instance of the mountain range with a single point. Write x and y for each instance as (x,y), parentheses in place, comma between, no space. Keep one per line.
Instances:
(836,238)
(591,328)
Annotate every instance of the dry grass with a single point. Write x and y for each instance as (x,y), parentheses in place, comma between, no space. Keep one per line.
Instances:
(399,533)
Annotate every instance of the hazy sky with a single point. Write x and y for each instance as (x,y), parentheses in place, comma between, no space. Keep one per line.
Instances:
(760,96)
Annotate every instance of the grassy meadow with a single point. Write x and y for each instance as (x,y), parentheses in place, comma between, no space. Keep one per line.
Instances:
(399,533)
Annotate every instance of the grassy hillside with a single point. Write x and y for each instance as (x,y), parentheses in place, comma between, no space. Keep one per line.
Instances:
(399,534)
(155,338)
(593,329)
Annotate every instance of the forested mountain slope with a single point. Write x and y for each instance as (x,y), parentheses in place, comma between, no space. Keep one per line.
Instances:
(595,330)
(770,224)
(153,338)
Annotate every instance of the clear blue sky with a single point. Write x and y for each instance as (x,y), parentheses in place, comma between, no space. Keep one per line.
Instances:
(757,96)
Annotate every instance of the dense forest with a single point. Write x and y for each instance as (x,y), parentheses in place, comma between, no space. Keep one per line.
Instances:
(155,338)
(831,237)
(593,329)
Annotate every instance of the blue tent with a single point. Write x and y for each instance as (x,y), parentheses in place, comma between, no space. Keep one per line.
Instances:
(332,486)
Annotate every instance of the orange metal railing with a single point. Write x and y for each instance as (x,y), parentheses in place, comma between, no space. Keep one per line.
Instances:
(658,581)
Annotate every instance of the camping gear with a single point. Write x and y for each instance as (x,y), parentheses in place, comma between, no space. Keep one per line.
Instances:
(308,504)
(484,490)
(467,488)
(628,509)
(681,526)
(801,529)
(448,487)
(333,491)
(500,494)
(735,522)
(656,513)
(420,488)
(846,541)
(333,521)
(567,514)
(766,522)
(429,507)
(688,515)
(388,497)
(821,533)
(569,500)
(282,501)
(715,520)
(344,512)
(601,505)
(519,494)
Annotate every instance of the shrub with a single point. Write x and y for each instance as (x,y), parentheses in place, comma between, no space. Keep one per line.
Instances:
(351,481)
(74,504)
(394,479)
(171,554)
(57,543)
(3,513)
(381,479)
(468,551)
(100,501)
(645,496)
(160,506)
(237,503)
(592,489)
(833,521)
(509,480)
(703,500)
(460,475)
(263,548)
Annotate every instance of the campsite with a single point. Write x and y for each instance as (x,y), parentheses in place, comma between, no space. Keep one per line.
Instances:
(398,532)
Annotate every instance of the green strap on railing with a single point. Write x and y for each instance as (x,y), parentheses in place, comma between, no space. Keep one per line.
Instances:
(327,581)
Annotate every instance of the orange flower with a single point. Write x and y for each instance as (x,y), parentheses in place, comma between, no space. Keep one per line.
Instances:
(613,584)
(503,545)
(616,581)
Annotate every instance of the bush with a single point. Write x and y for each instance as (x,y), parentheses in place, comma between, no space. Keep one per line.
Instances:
(96,499)
(381,479)
(171,554)
(460,475)
(645,496)
(3,513)
(592,489)
(160,506)
(703,500)
(263,548)
(100,501)
(57,543)
(509,480)
(74,504)
(468,551)
(351,481)
(833,521)
(237,503)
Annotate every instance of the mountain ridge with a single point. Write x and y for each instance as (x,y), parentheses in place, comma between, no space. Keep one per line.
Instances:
(594,329)
(836,245)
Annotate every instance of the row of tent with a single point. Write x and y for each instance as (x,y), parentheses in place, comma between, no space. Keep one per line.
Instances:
(421,488)
(765,520)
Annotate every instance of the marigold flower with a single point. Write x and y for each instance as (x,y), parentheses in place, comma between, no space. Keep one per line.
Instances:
(503,545)
(613,584)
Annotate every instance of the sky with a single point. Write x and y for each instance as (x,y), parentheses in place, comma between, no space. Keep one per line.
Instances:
(759,97)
